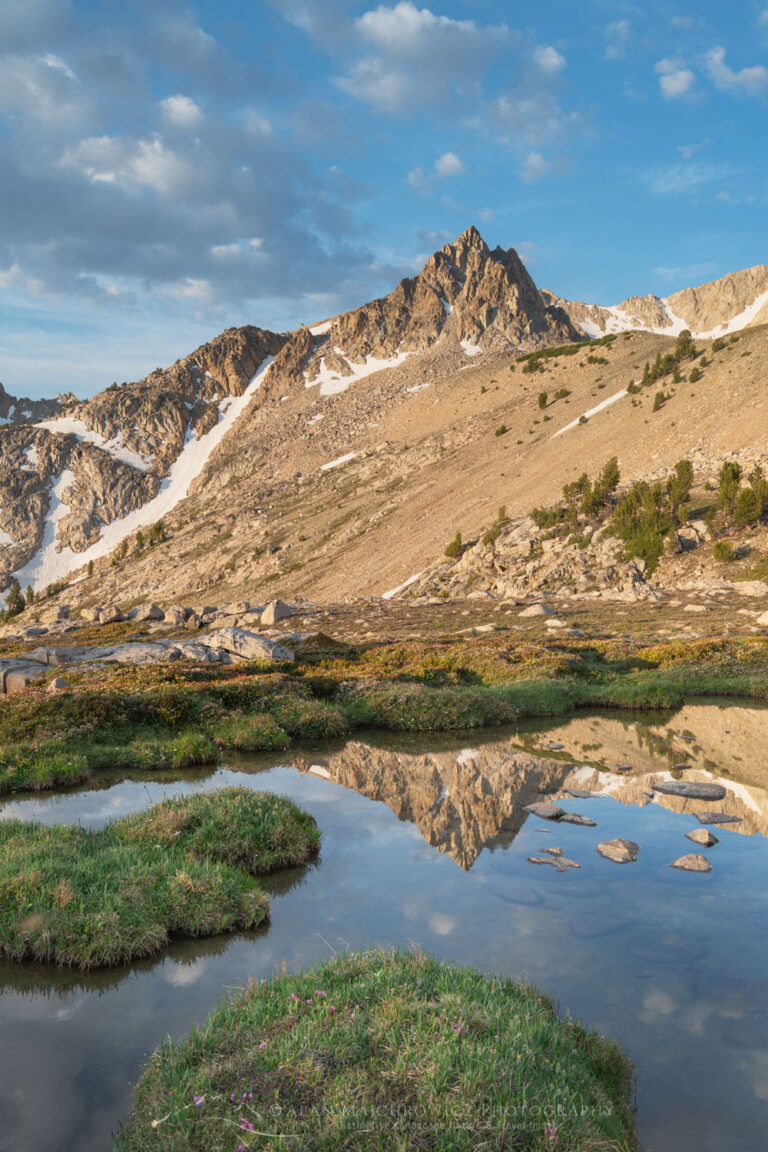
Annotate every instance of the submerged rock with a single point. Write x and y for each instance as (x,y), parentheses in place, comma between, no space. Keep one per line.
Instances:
(577,818)
(619,851)
(693,862)
(559,863)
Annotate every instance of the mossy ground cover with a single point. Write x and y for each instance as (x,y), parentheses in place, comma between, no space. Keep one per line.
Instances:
(384,1050)
(184,867)
(179,714)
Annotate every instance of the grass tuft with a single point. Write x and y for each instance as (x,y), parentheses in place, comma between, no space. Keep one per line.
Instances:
(185,867)
(387,1050)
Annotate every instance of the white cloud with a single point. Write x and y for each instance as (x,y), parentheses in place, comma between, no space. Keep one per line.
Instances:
(58,64)
(762,19)
(414,57)
(681,179)
(127,162)
(750,81)
(449,164)
(675,80)
(181,111)
(191,288)
(239,248)
(548,58)
(535,166)
(617,37)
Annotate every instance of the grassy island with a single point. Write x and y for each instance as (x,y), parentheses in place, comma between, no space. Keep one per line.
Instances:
(379,1051)
(185,867)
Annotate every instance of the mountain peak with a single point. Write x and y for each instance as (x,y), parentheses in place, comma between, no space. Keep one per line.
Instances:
(470,240)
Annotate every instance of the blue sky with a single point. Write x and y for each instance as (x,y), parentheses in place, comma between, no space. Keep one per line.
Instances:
(170,169)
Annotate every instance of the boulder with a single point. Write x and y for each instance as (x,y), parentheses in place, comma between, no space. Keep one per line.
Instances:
(537,610)
(54,615)
(19,674)
(716,818)
(146,613)
(693,862)
(702,836)
(274,611)
(111,615)
(90,614)
(247,645)
(176,615)
(762,618)
(577,818)
(193,622)
(546,810)
(690,790)
(59,684)
(619,851)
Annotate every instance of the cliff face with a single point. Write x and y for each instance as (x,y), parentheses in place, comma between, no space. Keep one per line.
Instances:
(69,469)
(733,302)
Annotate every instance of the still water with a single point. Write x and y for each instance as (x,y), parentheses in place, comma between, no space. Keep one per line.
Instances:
(427,842)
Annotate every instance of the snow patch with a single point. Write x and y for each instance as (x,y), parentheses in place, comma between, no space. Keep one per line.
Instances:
(401,587)
(70,425)
(591,412)
(336,463)
(471,349)
(49,565)
(320,770)
(418,387)
(321,329)
(44,568)
(32,459)
(5,538)
(331,383)
(447,307)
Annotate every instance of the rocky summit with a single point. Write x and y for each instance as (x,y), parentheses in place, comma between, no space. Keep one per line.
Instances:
(340,459)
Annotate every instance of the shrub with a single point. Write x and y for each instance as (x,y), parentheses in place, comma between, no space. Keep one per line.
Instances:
(14,601)
(748,508)
(500,431)
(659,400)
(455,548)
(722,550)
(679,483)
(542,399)
(694,375)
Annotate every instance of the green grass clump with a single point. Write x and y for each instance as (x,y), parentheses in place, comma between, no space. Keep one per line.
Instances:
(257,831)
(384,1051)
(257,732)
(185,867)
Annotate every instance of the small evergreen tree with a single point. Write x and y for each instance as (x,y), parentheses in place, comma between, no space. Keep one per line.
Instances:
(542,400)
(455,548)
(679,484)
(29,596)
(685,349)
(747,508)
(694,375)
(14,601)
(90,567)
(729,478)
(139,542)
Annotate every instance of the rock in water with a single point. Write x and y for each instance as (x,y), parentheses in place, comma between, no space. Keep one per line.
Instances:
(716,818)
(691,790)
(577,818)
(560,863)
(546,810)
(693,862)
(702,836)
(619,851)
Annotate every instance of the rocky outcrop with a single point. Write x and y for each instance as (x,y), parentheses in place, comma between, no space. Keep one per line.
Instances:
(729,304)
